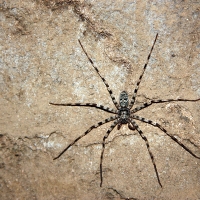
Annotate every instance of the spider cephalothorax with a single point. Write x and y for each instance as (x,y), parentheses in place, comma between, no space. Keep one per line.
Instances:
(124,114)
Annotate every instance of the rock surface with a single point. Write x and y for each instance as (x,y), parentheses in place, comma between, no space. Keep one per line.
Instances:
(41,61)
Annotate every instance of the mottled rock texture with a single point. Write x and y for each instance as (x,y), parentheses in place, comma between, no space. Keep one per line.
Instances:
(41,61)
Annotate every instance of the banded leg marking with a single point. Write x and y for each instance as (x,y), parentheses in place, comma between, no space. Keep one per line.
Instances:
(107,109)
(103,148)
(84,134)
(148,148)
(165,131)
(159,101)
(139,80)
(103,79)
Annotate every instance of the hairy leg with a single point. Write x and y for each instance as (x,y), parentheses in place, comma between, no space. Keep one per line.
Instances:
(165,131)
(103,148)
(107,109)
(140,78)
(159,101)
(103,79)
(148,148)
(84,134)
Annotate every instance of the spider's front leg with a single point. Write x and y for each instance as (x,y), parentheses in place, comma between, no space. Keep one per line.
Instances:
(131,126)
(119,126)
(84,134)
(103,148)
(133,123)
(155,124)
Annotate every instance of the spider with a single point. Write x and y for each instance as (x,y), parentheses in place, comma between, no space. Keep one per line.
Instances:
(124,114)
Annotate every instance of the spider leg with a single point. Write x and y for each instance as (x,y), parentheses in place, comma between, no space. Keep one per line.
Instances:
(148,148)
(103,79)
(86,105)
(84,134)
(103,145)
(140,78)
(159,101)
(165,131)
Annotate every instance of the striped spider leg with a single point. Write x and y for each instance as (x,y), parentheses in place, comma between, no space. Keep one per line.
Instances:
(133,126)
(123,115)
(155,124)
(103,79)
(165,131)
(140,78)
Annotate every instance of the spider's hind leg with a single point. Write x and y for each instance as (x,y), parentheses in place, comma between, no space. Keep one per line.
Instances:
(140,78)
(103,79)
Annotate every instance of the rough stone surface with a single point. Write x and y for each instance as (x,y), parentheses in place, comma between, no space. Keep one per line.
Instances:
(41,61)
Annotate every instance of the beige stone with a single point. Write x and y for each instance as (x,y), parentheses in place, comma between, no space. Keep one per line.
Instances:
(41,61)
